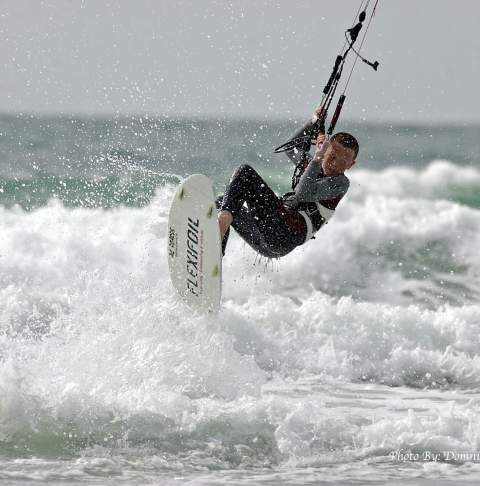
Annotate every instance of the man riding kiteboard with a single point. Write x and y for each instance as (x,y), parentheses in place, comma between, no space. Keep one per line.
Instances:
(272,225)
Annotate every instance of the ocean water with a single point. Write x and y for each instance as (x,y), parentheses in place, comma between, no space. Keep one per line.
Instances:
(353,360)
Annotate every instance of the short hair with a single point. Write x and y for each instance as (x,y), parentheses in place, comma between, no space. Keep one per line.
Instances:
(347,140)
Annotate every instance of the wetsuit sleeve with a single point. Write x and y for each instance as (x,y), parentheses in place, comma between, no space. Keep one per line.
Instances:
(300,152)
(311,189)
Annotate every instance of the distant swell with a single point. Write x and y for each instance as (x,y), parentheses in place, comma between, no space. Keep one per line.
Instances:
(440,179)
(135,189)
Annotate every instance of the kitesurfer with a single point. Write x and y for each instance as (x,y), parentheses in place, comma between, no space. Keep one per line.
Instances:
(274,226)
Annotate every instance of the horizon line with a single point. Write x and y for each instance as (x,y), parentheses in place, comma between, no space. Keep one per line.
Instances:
(223,117)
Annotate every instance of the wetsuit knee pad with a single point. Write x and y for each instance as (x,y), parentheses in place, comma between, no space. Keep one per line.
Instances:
(245,169)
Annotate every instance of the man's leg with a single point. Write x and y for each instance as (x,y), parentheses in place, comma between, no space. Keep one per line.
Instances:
(261,217)
(247,186)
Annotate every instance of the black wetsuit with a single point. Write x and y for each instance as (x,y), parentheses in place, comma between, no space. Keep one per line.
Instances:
(271,225)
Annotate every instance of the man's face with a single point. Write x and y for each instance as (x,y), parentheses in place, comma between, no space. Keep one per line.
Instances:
(337,159)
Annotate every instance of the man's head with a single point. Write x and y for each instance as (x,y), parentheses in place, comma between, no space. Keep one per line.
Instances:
(341,154)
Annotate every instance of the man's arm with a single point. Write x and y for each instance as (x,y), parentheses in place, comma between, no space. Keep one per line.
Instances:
(311,189)
(301,150)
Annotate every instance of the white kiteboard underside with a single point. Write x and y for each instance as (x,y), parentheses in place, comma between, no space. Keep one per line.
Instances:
(194,247)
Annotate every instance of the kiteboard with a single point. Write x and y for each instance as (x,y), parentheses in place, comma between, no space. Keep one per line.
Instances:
(194,246)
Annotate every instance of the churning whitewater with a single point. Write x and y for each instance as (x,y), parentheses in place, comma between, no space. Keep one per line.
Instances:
(354,348)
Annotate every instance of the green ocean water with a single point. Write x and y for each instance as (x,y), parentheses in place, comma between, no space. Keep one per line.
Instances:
(134,190)
(95,162)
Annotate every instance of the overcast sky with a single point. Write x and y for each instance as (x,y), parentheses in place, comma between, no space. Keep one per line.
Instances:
(238,58)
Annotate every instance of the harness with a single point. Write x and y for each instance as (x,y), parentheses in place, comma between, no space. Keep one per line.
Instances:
(313,214)
(315,218)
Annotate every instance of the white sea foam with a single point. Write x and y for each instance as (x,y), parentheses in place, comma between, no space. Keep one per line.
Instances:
(96,351)
(441,179)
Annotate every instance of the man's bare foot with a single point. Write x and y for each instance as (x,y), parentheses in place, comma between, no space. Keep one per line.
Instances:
(225,219)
